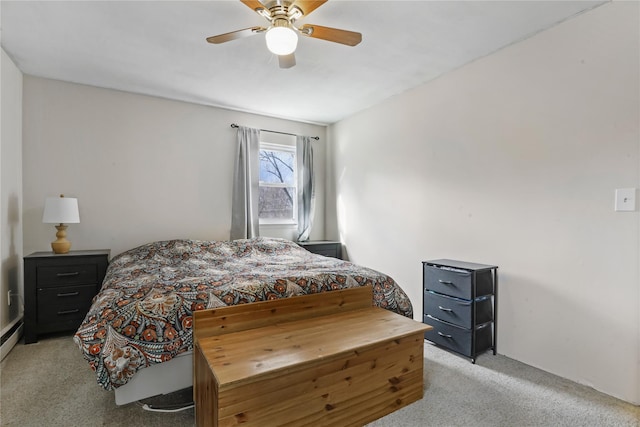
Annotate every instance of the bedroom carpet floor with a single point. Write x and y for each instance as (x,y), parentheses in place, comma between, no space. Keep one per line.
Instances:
(50,384)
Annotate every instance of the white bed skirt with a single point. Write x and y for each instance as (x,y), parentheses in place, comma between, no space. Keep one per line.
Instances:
(164,378)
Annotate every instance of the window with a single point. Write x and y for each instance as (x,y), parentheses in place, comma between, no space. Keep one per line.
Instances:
(278,191)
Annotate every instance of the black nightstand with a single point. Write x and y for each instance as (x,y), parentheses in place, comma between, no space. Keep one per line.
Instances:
(323,247)
(58,289)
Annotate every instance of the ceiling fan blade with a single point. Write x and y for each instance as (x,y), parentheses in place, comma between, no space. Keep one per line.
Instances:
(287,61)
(349,38)
(308,6)
(233,35)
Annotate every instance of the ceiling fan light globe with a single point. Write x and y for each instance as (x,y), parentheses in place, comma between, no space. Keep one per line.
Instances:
(281,40)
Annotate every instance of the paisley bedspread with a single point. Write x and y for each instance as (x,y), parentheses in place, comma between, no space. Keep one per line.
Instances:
(143,313)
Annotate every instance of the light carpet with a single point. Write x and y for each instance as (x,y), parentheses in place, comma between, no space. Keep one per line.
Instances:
(49,384)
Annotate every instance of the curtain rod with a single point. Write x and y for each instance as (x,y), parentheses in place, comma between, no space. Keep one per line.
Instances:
(233,125)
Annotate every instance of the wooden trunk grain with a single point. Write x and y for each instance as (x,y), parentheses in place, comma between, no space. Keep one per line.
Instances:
(328,359)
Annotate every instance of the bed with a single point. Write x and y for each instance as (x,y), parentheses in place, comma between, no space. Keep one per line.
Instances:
(137,335)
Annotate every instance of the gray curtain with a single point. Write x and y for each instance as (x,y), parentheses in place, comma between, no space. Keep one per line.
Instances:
(306,188)
(244,210)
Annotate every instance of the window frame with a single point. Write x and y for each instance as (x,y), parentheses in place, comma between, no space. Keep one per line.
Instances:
(269,146)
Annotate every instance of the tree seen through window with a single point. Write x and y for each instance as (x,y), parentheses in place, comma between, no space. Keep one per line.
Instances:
(277,195)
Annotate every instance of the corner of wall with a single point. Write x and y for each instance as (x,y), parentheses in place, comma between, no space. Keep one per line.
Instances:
(11,247)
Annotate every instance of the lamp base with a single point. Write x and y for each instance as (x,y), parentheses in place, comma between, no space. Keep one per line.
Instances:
(61,245)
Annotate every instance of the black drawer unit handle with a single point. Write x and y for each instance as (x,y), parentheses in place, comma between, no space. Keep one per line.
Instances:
(73,273)
(68,294)
(445,335)
(75,310)
(445,282)
(445,309)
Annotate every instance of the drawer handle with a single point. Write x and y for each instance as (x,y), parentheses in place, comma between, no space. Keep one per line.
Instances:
(445,335)
(68,294)
(75,310)
(73,273)
(445,282)
(445,309)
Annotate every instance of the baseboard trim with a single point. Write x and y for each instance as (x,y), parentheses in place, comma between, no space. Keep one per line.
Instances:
(10,338)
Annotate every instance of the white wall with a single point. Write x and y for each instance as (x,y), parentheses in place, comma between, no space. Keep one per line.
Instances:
(513,160)
(142,168)
(10,190)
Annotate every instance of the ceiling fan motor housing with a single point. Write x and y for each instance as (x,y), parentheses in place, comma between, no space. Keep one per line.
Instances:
(283,10)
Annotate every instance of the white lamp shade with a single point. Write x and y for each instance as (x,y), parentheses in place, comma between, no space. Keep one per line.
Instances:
(61,210)
(281,40)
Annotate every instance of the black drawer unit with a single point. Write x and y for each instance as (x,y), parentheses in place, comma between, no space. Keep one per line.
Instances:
(460,302)
(59,288)
(323,247)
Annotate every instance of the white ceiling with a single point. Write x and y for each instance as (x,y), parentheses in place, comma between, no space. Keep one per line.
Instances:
(158,48)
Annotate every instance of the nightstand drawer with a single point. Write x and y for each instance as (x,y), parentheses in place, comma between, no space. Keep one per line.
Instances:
(457,311)
(323,247)
(65,275)
(329,252)
(458,339)
(64,303)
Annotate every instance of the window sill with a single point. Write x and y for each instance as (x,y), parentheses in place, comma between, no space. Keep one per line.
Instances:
(278,224)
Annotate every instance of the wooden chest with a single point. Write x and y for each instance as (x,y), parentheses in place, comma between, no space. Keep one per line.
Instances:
(329,359)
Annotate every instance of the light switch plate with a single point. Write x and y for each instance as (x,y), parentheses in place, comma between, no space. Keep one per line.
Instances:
(625,200)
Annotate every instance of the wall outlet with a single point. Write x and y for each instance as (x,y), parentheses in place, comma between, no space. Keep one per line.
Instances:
(625,200)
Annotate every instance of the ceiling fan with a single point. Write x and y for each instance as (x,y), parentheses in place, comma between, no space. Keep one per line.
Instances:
(282,35)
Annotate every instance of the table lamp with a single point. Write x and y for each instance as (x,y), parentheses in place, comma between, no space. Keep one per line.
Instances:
(61,210)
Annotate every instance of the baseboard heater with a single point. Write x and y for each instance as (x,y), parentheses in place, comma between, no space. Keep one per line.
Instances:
(10,338)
